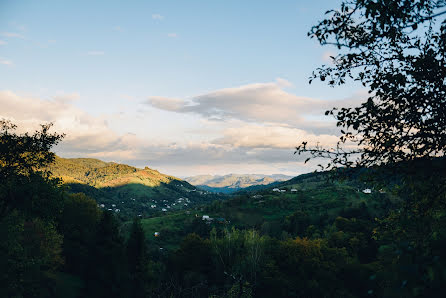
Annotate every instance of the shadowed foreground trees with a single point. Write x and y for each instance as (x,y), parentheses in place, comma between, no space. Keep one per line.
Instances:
(396,49)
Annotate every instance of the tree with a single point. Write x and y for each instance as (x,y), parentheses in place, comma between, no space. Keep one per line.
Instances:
(396,49)
(106,275)
(25,184)
(138,261)
(79,217)
(30,205)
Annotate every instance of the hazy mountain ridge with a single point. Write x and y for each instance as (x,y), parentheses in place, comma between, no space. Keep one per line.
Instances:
(234,182)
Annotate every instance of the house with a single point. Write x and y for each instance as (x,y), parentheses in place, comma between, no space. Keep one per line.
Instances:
(156,234)
(206,217)
(276,189)
(293,190)
(283,190)
(367,190)
(113,205)
(164,209)
(257,196)
(152,206)
(102,205)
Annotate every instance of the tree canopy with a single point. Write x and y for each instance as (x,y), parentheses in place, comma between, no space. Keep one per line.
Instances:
(397,50)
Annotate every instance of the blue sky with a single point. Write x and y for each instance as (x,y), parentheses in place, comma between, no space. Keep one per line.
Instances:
(188,87)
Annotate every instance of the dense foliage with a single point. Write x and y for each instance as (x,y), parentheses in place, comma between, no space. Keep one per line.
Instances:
(396,49)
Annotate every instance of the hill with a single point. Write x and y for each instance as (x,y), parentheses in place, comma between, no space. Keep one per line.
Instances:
(309,210)
(127,190)
(233,182)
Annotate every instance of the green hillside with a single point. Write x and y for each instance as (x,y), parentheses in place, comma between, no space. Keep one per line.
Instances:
(309,211)
(126,190)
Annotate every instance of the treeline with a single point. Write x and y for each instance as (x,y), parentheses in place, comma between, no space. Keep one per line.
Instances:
(56,244)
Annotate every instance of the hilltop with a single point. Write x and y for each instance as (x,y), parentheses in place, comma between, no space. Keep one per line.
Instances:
(127,190)
(233,182)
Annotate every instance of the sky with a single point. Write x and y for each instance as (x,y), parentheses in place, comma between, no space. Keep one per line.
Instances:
(185,87)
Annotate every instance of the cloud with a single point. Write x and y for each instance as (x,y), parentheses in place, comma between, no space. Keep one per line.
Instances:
(12,35)
(67,98)
(259,102)
(263,136)
(157,17)
(173,35)
(258,133)
(84,133)
(2,42)
(6,62)
(95,53)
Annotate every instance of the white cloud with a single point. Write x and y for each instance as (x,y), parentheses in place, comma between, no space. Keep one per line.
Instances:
(12,35)
(84,133)
(263,136)
(6,62)
(262,125)
(157,17)
(173,35)
(95,53)
(2,42)
(67,98)
(260,102)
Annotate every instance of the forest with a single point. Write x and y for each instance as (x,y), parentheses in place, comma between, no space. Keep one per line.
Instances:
(370,223)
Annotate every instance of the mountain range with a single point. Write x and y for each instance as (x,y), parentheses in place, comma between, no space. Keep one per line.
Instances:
(233,182)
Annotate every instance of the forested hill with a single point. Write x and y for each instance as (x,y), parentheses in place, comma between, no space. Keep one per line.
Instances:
(127,190)
(233,182)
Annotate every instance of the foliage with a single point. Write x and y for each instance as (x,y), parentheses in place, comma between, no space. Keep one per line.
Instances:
(138,261)
(79,217)
(395,48)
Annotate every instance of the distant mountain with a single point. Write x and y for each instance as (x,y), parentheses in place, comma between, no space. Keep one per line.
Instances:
(125,189)
(233,182)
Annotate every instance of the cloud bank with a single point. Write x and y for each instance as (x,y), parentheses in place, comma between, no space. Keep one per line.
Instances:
(258,127)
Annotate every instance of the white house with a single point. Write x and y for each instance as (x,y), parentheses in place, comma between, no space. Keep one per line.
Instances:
(367,190)
(164,209)
(276,189)
(205,217)
(152,206)
(293,190)
(283,190)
